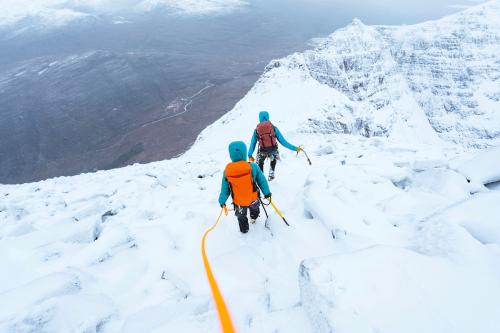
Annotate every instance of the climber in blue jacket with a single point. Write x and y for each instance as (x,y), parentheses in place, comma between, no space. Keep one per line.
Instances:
(242,180)
(268,137)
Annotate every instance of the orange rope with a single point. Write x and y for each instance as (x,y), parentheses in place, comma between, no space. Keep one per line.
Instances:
(224,317)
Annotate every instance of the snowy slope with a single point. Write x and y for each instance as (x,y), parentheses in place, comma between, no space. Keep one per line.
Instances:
(483,168)
(386,235)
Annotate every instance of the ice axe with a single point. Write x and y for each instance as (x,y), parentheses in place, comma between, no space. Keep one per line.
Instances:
(302,150)
(278,211)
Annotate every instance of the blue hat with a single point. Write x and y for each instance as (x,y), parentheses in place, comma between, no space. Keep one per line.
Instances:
(263,116)
(238,151)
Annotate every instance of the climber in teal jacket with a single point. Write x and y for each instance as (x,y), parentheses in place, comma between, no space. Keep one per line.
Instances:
(242,180)
(268,137)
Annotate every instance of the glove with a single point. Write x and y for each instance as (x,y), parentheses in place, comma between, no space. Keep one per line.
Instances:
(298,150)
(268,196)
(251,159)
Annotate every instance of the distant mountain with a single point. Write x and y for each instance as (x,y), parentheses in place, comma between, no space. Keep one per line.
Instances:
(393,77)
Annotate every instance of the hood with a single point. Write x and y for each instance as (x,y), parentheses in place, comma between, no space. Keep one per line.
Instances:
(263,116)
(238,151)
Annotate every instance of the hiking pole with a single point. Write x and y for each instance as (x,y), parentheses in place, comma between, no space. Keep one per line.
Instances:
(302,150)
(278,211)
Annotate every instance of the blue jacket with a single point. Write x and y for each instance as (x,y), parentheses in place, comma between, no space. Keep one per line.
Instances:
(264,116)
(237,152)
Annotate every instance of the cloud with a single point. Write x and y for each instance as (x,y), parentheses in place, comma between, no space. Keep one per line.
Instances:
(193,6)
(57,12)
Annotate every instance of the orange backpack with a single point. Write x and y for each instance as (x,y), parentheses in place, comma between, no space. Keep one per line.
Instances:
(243,188)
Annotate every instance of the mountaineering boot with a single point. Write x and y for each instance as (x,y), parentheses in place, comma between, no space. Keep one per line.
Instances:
(271,175)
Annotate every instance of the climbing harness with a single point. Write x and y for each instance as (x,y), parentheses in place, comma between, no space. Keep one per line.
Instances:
(224,317)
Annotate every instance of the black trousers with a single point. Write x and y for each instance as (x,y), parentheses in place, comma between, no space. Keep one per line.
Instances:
(241,214)
(272,154)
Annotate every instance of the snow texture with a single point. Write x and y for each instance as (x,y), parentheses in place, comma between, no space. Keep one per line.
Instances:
(387,234)
(484,167)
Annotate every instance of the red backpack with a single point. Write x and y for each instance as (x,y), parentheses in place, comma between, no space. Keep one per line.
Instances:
(266,135)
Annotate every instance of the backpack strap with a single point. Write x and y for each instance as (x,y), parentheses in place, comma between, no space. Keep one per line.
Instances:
(254,183)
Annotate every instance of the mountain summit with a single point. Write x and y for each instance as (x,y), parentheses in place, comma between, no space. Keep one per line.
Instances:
(397,78)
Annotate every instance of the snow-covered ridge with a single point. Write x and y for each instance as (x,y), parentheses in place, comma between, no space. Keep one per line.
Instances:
(446,72)
(54,13)
(193,7)
(40,16)
(387,234)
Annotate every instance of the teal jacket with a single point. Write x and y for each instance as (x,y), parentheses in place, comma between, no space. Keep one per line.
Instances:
(237,152)
(264,116)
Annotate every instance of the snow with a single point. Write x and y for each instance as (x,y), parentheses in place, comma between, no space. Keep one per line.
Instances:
(386,234)
(483,167)
(442,73)
(383,289)
(43,14)
(123,245)
(193,7)
(56,13)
